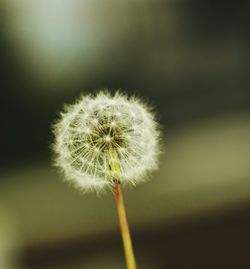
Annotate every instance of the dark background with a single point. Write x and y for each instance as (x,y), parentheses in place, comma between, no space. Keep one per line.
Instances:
(190,60)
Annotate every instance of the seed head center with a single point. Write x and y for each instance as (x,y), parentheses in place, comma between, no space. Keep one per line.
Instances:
(107,138)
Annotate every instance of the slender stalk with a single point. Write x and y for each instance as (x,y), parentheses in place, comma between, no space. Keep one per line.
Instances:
(127,243)
(114,167)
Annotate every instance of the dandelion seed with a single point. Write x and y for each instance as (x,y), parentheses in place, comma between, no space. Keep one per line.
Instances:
(87,130)
(107,139)
(87,145)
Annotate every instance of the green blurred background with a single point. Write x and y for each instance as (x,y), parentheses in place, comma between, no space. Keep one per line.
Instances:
(190,60)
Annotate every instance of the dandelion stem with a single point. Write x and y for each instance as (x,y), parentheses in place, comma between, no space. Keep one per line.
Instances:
(115,169)
(127,243)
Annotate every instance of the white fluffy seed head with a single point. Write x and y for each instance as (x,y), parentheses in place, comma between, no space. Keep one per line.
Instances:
(100,127)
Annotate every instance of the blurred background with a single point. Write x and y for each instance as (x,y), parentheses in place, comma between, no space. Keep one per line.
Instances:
(190,60)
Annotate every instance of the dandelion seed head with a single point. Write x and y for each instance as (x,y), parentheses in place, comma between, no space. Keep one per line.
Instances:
(98,127)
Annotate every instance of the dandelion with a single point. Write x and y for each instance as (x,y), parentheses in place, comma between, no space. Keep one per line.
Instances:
(103,141)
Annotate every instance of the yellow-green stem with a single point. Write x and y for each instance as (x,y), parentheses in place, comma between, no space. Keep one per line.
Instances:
(127,243)
(114,167)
